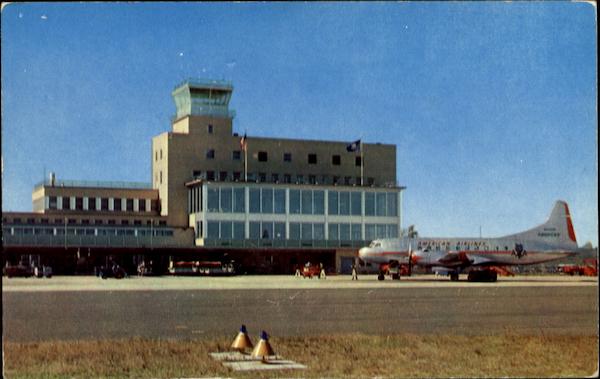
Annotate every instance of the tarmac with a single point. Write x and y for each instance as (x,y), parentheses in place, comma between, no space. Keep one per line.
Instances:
(149,283)
(73,308)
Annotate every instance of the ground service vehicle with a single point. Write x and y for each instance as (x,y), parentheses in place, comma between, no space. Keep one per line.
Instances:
(201,268)
(18,271)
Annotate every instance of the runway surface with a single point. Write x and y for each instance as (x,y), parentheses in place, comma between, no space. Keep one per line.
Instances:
(90,308)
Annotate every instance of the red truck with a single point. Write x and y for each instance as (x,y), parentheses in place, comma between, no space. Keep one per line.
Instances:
(588,268)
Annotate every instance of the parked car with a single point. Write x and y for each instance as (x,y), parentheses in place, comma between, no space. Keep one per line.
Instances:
(18,271)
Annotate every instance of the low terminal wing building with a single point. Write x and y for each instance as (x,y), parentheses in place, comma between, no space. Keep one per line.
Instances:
(267,204)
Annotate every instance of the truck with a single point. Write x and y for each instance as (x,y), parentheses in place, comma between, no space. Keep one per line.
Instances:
(588,268)
(198,268)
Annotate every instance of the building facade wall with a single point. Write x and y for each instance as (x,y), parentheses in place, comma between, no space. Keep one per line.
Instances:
(215,154)
(50,199)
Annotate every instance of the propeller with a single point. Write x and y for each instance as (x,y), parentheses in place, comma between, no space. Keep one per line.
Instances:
(410,259)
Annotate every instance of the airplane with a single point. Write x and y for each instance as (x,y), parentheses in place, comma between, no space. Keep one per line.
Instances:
(481,257)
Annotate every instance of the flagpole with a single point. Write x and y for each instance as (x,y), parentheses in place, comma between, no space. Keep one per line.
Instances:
(362,163)
(246,163)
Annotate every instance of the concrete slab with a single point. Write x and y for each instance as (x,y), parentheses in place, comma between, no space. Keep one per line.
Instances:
(232,356)
(244,362)
(258,365)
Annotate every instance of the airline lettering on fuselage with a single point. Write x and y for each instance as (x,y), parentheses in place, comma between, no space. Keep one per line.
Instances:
(451,245)
(549,232)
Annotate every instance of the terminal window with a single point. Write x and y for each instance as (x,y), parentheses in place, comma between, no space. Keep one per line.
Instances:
(130,205)
(336,160)
(92,203)
(210,128)
(236,155)
(262,156)
(312,158)
(210,154)
(287,157)
(358,161)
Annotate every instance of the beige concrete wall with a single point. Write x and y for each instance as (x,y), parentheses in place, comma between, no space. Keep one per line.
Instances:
(185,151)
(58,217)
(160,158)
(122,193)
(81,192)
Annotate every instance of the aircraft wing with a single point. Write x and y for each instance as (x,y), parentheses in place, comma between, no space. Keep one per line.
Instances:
(455,258)
(461,258)
(478,260)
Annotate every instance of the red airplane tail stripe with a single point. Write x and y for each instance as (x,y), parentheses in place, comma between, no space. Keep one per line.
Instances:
(570,225)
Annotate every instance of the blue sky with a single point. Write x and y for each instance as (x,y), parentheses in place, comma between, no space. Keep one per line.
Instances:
(492,106)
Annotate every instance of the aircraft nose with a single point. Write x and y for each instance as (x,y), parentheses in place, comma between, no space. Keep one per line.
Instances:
(363,252)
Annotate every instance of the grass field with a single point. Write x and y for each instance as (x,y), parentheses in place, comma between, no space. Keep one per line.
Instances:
(353,355)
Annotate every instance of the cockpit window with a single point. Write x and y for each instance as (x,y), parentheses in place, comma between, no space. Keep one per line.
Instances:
(375,244)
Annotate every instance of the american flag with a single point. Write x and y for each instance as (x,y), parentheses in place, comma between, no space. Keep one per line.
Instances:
(244,143)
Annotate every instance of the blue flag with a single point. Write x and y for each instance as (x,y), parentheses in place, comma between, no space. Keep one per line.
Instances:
(354,146)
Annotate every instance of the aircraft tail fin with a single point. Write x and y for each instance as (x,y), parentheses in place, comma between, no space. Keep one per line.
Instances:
(557,232)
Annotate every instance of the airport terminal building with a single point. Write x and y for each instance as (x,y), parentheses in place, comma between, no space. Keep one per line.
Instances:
(268,204)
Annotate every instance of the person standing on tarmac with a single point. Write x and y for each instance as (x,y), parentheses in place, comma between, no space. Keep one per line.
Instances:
(354,273)
(322,273)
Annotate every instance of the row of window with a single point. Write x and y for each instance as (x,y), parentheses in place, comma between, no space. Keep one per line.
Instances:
(263,156)
(264,177)
(86,231)
(73,221)
(227,230)
(307,202)
(100,204)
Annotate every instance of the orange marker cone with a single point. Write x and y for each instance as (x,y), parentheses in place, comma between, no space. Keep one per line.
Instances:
(242,341)
(263,349)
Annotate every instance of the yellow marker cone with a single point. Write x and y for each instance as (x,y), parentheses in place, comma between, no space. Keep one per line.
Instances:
(263,348)
(242,341)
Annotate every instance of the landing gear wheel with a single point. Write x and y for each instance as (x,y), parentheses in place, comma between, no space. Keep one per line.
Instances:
(380,276)
(454,276)
(395,276)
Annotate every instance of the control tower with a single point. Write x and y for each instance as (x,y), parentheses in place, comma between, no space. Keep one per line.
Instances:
(197,97)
